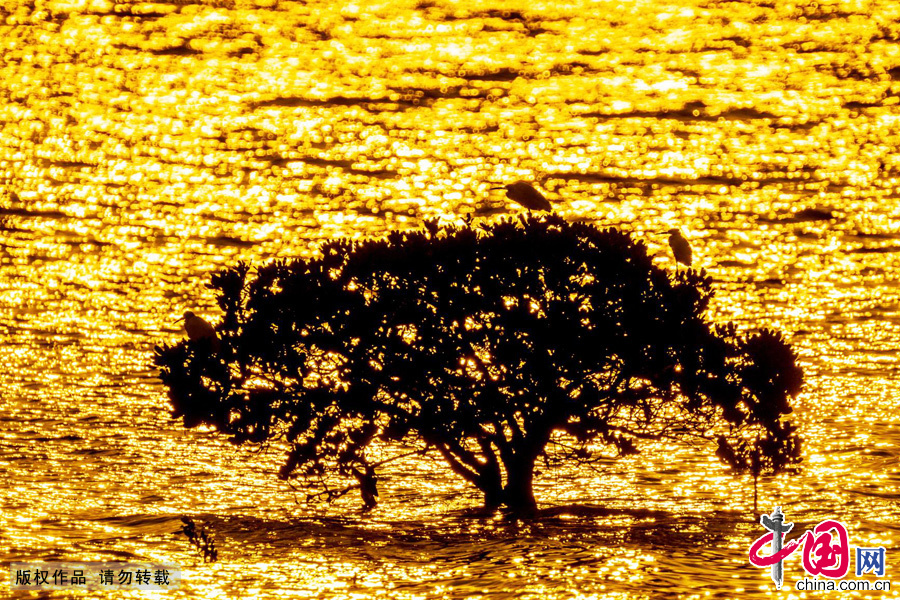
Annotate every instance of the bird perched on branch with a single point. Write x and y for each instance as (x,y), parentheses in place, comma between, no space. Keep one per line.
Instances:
(198,328)
(680,247)
(523,193)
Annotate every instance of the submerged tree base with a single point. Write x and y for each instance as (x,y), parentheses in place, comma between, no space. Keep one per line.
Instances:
(481,343)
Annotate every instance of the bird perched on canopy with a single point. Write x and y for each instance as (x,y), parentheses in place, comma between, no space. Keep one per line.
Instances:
(523,193)
(680,247)
(198,328)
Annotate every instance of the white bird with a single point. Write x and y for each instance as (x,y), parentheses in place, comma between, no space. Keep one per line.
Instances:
(198,328)
(524,193)
(680,247)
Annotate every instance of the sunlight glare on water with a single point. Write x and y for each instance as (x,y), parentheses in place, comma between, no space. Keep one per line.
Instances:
(144,146)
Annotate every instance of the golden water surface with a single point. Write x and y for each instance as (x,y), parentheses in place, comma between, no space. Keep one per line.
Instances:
(144,146)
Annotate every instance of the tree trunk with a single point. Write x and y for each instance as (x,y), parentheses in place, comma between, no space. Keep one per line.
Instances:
(493,496)
(518,495)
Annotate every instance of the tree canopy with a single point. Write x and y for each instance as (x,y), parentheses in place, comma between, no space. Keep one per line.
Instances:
(481,343)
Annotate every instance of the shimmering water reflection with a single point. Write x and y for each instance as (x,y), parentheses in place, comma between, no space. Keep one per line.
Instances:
(147,145)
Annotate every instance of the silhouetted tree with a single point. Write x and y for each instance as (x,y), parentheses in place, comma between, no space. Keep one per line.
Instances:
(481,345)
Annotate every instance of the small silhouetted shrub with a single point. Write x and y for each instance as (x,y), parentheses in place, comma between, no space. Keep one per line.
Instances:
(199,539)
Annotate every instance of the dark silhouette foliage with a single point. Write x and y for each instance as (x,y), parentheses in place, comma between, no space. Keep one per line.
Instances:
(200,539)
(484,346)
